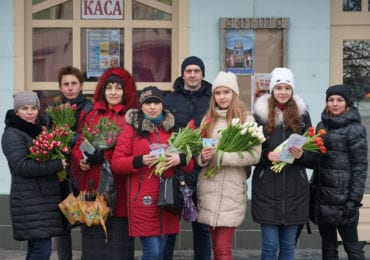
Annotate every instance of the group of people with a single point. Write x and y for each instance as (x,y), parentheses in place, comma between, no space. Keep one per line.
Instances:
(281,203)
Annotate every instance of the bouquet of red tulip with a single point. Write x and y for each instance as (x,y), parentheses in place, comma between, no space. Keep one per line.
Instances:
(104,135)
(187,140)
(54,143)
(314,143)
(237,137)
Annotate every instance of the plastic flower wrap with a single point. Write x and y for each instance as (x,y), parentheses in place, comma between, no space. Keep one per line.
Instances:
(187,140)
(314,143)
(238,138)
(54,143)
(104,135)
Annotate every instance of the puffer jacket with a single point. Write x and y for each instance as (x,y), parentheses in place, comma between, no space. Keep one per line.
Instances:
(342,170)
(222,199)
(281,198)
(145,218)
(34,191)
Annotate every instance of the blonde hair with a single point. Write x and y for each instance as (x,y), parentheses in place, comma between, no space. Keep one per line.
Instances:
(236,109)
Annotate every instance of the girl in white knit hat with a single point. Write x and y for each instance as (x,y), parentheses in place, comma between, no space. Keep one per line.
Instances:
(280,201)
(222,199)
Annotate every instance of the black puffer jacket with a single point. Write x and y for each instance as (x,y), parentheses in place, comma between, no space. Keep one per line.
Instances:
(34,193)
(280,198)
(342,170)
(186,105)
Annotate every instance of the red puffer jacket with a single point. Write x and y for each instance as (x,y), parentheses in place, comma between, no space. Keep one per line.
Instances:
(145,218)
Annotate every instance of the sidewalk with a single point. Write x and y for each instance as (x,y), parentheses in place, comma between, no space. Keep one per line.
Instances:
(243,254)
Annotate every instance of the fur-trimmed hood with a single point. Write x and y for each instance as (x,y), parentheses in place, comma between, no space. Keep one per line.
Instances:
(135,118)
(261,108)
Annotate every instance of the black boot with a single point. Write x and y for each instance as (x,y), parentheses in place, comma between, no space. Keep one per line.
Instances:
(330,251)
(354,250)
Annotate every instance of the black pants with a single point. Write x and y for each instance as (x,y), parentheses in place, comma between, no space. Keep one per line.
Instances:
(119,245)
(349,237)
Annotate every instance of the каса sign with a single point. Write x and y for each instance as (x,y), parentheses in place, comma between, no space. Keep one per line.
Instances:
(102,9)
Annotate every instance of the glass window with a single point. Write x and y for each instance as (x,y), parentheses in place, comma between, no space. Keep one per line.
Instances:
(145,12)
(100,49)
(60,11)
(152,55)
(52,49)
(351,5)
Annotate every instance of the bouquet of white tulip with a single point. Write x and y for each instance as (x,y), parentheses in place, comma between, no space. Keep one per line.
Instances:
(238,138)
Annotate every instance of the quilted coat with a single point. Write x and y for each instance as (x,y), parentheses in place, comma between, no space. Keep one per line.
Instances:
(222,199)
(145,218)
(342,170)
(34,191)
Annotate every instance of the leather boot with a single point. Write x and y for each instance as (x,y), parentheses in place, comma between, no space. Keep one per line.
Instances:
(330,251)
(354,250)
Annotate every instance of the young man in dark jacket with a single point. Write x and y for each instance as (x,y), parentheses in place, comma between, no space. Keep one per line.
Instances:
(190,100)
(70,86)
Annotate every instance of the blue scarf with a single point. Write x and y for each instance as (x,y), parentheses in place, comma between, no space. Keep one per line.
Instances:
(155,120)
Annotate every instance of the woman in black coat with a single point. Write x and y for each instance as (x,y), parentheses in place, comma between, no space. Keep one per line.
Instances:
(34,193)
(338,182)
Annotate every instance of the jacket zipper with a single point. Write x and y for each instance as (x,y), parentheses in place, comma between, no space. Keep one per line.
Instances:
(139,187)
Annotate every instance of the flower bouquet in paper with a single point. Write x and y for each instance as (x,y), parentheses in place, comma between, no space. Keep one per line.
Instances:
(238,138)
(102,136)
(312,142)
(54,143)
(187,140)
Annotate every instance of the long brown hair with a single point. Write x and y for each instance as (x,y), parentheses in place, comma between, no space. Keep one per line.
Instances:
(236,109)
(292,118)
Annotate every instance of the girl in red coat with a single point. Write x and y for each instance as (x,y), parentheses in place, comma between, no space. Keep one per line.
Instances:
(148,127)
(115,93)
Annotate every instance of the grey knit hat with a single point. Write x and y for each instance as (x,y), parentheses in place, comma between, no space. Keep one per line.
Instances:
(25,98)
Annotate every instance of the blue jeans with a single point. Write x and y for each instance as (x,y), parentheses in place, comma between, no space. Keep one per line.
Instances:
(153,247)
(39,249)
(201,243)
(278,242)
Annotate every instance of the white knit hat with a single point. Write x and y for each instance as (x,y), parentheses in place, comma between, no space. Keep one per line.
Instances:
(281,75)
(226,79)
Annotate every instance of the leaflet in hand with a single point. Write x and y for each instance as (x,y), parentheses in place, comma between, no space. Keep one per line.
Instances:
(86,146)
(294,140)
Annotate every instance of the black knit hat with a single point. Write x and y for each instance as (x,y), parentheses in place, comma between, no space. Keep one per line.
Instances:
(192,60)
(151,93)
(341,90)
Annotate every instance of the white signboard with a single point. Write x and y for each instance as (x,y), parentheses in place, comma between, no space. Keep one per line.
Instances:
(102,9)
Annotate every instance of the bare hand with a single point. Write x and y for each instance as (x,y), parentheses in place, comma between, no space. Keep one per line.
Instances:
(172,160)
(84,166)
(296,151)
(207,153)
(149,159)
(274,156)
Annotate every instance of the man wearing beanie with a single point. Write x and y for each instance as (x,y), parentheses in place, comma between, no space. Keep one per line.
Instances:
(190,100)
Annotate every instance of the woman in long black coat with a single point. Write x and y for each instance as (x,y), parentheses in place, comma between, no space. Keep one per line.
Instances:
(34,193)
(338,183)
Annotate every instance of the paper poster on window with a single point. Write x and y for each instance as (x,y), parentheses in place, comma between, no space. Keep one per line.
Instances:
(240,51)
(259,86)
(102,50)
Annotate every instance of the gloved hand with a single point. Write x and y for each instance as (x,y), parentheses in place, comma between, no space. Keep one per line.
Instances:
(95,158)
(349,209)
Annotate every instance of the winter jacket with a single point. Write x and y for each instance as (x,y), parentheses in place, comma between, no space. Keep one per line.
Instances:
(342,170)
(145,218)
(34,191)
(281,198)
(186,105)
(116,114)
(222,199)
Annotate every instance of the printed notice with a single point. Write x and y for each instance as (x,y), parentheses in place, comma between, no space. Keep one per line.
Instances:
(294,140)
